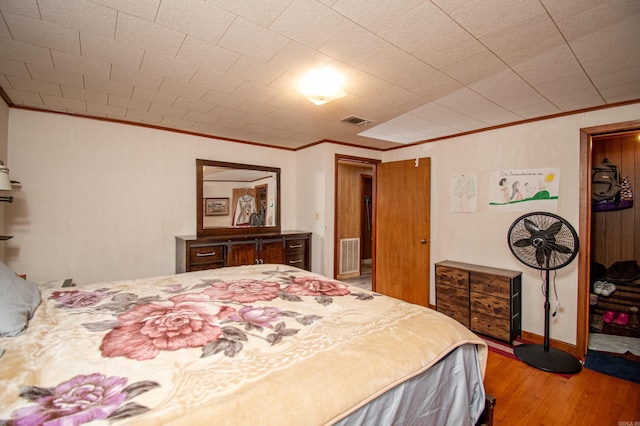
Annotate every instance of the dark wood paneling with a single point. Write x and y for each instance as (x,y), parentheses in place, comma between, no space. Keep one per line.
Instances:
(615,235)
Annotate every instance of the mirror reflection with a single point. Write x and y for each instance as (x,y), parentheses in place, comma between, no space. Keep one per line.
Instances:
(236,197)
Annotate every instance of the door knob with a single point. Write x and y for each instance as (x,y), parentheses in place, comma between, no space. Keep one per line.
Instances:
(423,241)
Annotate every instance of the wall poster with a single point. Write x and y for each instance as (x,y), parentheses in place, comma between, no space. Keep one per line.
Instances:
(524,190)
(464,192)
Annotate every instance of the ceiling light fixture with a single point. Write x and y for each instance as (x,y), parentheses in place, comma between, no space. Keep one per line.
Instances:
(322,86)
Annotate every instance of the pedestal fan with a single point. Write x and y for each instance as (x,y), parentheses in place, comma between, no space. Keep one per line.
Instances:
(546,242)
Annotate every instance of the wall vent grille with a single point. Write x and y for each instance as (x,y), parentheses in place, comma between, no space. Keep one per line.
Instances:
(349,255)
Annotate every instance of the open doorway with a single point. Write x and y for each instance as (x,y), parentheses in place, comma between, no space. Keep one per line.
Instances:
(354,254)
(593,229)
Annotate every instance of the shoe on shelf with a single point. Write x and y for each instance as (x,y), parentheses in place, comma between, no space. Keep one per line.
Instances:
(608,316)
(622,319)
(608,288)
(597,287)
(593,299)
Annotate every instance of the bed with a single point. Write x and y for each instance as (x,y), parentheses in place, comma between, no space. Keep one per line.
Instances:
(263,343)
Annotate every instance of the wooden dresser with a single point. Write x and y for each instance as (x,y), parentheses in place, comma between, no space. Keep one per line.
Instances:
(198,253)
(484,299)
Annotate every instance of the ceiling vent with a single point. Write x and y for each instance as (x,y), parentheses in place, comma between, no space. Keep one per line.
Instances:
(356,120)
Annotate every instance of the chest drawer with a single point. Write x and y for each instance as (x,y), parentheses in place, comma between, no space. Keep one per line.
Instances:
(206,254)
(490,305)
(452,277)
(295,246)
(490,284)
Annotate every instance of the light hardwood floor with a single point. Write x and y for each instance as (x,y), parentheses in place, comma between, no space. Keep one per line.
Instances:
(527,396)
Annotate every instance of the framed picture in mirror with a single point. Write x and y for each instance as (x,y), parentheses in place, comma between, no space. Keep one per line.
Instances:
(216,206)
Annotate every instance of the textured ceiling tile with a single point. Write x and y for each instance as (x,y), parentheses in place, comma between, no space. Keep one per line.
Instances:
(354,45)
(261,12)
(152,96)
(208,79)
(176,123)
(186,90)
(298,59)
(205,54)
(14,68)
(142,116)
(525,39)
(569,93)
(396,67)
(199,18)
(475,68)
(560,61)
(21,97)
(129,103)
(23,52)
(28,8)
(43,34)
(320,23)
(375,14)
(252,40)
(60,102)
(50,75)
(108,86)
(155,63)
(168,111)
(145,9)
(191,105)
(80,64)
(223,99)
(148,36)
(84,95)
(253,71)
(28,85)
(145,79)
(255,92)
(482,17)
(255,108)
(106,110)
(111,51)
(79,15)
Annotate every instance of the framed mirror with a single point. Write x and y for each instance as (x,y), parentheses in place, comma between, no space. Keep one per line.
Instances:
(237,199)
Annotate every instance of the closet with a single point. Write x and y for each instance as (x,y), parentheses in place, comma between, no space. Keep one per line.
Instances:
(615,241)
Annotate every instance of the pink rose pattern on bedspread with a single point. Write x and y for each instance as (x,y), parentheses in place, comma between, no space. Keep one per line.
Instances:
(80,400)
(215,315)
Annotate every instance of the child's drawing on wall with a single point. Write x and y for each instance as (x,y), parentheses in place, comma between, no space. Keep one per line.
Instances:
(524,190)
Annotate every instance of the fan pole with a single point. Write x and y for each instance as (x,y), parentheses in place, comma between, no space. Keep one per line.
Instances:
(543,357)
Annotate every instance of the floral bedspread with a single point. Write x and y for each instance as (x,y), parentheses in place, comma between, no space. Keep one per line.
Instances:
(225,346)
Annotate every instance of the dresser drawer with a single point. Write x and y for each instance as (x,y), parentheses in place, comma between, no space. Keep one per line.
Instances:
(295,246)
(452,277)
(452,295)
(457,312)
(299,260)
(486,324)
(490,305)
(491,284)
(206,254)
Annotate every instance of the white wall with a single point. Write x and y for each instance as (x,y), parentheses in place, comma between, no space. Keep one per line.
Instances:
(481,237)
(315,198)
(104,201)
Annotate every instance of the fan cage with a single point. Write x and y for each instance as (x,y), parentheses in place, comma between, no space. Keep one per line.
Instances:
(543,250)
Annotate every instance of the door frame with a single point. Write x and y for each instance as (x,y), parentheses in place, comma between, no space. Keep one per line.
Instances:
(336,246)
(584,227)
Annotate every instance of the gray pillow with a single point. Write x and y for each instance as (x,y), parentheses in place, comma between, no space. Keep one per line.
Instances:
(18,302)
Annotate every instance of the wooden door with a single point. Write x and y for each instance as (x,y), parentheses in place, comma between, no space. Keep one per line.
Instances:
(402,235)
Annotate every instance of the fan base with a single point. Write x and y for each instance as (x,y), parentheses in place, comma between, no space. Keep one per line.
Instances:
(552,360)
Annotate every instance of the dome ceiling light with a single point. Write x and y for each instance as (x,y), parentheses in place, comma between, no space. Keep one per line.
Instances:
(322,86)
